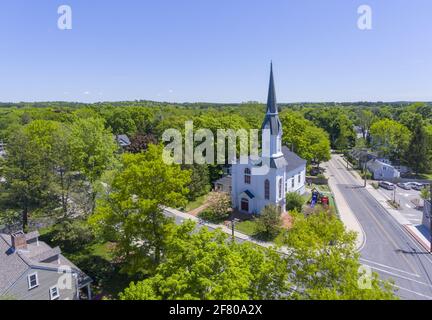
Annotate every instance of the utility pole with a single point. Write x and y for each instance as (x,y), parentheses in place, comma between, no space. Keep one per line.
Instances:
(364,174)
(430,215)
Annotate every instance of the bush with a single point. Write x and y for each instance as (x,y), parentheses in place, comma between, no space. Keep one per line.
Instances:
(269,222)
(294,201)
(213,216)
(219,209)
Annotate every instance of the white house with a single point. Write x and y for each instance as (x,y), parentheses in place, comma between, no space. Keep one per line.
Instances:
(287,173)
(382,169)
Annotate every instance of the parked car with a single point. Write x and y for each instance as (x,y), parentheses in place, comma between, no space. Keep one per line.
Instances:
(417,185)
(387,185)
(404,185)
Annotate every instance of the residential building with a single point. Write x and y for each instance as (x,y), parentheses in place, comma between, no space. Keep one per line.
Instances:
(32,270)
(223,184)
(382,169)
(123,140)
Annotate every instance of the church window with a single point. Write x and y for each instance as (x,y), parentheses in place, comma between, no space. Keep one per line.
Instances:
(280,188)
(267,189)
(247,176)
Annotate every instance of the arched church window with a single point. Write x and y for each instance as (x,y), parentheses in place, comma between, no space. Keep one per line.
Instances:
(247,176)
(267,189)
(280,188)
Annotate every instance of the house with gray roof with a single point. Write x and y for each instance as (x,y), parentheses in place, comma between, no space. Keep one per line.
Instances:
(32,270)
(123,140)
(382,169)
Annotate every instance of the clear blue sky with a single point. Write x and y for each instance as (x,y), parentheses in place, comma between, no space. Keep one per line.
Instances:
(215,50)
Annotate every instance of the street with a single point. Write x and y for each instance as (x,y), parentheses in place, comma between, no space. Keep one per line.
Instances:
(387,248)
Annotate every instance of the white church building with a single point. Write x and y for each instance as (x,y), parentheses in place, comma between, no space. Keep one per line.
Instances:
(287,173)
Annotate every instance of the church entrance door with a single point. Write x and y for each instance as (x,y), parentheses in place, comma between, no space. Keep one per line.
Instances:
(245,204)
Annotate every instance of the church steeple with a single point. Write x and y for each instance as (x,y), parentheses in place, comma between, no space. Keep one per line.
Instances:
(271,99)
(271,120)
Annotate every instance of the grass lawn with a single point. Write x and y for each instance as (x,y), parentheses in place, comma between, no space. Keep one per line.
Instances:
(195,204)
(321,187)
(247,227)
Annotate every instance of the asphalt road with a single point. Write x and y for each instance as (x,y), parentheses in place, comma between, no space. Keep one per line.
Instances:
(388,249)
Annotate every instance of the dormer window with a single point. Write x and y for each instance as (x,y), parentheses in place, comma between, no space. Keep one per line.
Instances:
(33,281)
(247,176)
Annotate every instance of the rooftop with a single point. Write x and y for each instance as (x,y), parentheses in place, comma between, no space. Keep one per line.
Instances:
(36,255)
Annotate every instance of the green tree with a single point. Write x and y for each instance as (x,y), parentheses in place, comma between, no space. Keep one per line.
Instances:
(294,201)
(27,169)
(390,138)
(325,264)
(93,148)
(425,193)
(269,222)
(419,150)
(337,124)
(121,122)
(200,180)
(319,145)
(301,136)
(131,214)
(365,120)
(204,265)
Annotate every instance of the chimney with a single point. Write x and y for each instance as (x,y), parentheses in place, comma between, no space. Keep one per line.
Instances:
(19,241)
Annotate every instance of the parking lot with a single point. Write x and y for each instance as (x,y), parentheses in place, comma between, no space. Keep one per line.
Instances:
(408,199)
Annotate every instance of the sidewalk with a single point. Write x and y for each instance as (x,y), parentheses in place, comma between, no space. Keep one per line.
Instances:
(345,213)
(240,237)
(411,229)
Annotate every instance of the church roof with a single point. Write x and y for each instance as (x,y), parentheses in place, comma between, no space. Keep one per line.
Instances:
(271,119)
(292,159)
(278,162)
(271,99)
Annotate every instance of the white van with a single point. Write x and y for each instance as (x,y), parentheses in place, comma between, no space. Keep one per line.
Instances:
(387,185)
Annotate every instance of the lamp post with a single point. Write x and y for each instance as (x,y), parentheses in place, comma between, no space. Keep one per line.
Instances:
(233,222)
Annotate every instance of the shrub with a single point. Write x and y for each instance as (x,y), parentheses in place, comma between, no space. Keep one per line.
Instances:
(294,201)
(269,222)
(219,209)
(212,216)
